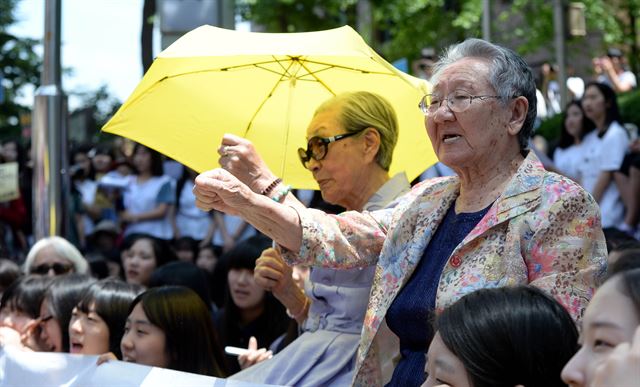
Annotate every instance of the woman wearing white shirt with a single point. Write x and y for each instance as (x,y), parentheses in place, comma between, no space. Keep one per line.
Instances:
(570,154)
(604,150)
(149,196)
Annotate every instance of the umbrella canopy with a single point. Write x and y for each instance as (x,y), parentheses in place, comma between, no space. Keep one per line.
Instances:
(264,87)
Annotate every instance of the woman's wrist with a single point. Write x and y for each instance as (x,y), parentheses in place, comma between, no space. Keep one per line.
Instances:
(300,314)
(261,183)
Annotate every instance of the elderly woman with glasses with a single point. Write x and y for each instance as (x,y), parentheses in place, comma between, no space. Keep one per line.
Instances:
(54,256)
(350,145)
(503,220)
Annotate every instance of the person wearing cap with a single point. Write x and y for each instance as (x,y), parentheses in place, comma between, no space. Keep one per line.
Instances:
(611,71)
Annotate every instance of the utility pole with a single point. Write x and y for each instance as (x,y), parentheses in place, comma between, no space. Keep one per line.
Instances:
(486,20)
(50,181)
(559,38)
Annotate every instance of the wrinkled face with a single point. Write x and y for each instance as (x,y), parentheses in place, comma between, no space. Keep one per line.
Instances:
(142,159)
(478,134)
(443,367)
(49,262)
(88,333)
(207,260)
(14,319)
(245,293)
(139,262)
(573,121)
(609,320)
(50,332)
(339,173)
(102,163)
(143,342)
(594,104)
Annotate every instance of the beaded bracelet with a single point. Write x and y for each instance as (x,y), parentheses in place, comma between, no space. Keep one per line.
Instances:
(271,186)
(281,194)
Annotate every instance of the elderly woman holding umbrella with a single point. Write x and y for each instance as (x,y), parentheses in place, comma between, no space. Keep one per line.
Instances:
(503,220)
(352,137)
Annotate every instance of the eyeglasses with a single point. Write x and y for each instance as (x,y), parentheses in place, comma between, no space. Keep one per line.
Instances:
(58,268)
(456,102)
(317,147)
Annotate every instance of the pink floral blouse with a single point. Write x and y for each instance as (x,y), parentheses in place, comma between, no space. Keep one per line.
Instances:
(543,230)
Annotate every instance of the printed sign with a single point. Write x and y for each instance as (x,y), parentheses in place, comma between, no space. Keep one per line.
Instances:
(9,182)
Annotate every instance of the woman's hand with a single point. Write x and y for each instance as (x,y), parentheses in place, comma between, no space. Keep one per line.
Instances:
(239,156)
(218,189)
(105,357)
(30,336)
(272,273)
(254,355)
(622,367)
(9,337)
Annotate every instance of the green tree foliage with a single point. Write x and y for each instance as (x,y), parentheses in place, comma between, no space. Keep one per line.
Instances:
(403,27)
(19,66)
(298,15)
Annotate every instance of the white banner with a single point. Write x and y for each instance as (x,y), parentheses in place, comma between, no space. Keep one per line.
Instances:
(35,369)
(9,181)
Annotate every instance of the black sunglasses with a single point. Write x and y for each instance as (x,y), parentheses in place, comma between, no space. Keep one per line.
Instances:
(58,268)
(317,147)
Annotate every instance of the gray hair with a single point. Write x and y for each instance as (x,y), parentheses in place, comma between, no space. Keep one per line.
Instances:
(63,248)
(510,76)
(360,110)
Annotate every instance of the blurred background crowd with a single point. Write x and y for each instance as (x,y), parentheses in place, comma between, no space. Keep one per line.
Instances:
(133,225)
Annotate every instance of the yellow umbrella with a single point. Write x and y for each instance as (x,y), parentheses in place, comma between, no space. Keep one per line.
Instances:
(263,87)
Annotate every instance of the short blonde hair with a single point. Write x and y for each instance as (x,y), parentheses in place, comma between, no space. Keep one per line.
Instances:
(63,248)
(360,110)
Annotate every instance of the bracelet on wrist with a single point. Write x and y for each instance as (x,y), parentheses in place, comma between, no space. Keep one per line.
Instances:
(281,194)
(302,311)
(271,186)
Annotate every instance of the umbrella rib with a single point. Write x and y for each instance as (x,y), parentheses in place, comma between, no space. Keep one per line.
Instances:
(255,113)
(258,65)
(317,79)
(349,68)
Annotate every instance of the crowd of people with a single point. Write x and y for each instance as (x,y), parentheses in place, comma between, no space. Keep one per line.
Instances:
(500,274)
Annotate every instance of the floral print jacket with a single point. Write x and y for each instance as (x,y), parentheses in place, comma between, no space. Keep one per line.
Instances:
(543,230)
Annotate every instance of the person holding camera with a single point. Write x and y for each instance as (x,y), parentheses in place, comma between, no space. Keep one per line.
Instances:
(611,71)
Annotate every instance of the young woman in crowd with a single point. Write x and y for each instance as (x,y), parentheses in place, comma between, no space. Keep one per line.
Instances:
(512,336)
(569,153)
(141,255)
(208,259)
(170,327)
(85,187)
(611,319)
(149,197)
(12,150)
(248,310)
(188,220)
(64,293)
(604,151)
(185,248)
(19,311)
(97,322)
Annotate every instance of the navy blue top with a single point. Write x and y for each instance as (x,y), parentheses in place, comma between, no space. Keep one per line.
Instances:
(410,314)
